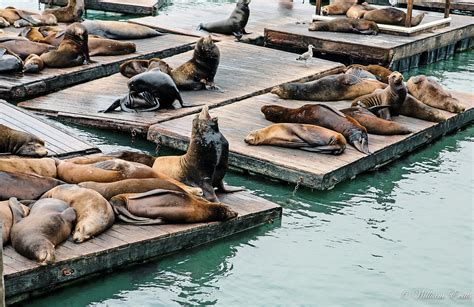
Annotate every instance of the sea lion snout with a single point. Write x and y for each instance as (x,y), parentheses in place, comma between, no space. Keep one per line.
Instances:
(325,11)
(396,77)
(251,138)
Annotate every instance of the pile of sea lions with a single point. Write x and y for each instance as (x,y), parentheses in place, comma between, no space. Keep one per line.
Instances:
(43,201)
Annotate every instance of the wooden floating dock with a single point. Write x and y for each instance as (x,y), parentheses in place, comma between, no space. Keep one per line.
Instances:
(136,7)
(455,5)
(123,245)
(19,86)
(245,70)
(313,170)
(58,143)
(399,52)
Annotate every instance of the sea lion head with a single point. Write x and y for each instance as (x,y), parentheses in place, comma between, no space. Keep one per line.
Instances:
(83,232)
(43,252)
(205,48)
(395,78)
(221,212)
(273,113)
(243,3)
(252,138)
(204,125)
(77,32)
(325,10)
(33,147)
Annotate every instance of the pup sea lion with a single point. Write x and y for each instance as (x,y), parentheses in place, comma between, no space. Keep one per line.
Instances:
(432,93)
(206,161)
(33,64)
(23,47)
(9,61)
(380,72)
(94,213)
(131,68)
(126,155)
(6,218)
(301,136)
(45,167)
(72,12)
(25,186)
(118,29)
(338,7)
(392,16)
(359,72)
(36,235)
(168,207)
(346,25)
(21,143)
(393,96)
(105,46)
(374,124)
(414,108)
(324,116)
(234,25)
(329,88)
(358,10)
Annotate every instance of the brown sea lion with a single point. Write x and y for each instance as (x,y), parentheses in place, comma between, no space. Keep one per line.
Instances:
(234,25)
(346,25)
(119,29)
(25,186)
(206,161)
(131,68)
(432,93)
(33,64)
(33,34)
(392,16)
(302,136)
(45,167)
(359,72)
(73,50)
(414,108)
(6,218)
(4,23)
(168,207)
(72,12)
(10,15)
(324,116)
(105,46)
(380,72)
(35,20)
(9,61)
(132,156)
(94,213)
(329,88)
(36,235)
(24,47)
(21,143)
(338,7)
(393,96)
(358,10)
(374,124)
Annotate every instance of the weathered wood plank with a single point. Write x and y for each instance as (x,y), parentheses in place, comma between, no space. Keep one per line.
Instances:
(136,7)
(310,169)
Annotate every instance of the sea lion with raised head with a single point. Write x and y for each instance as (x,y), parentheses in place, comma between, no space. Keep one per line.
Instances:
(358,10)
(21,143)
(374,124)
(392,16)
(45,167)
(6,218)
(329,88)
(9,61)
(338,7)
(324,116)
(432,93)
(118,29)
(380,72)
(33,64)
(25,186)
(346,25)
(302,136)
(36,235)
(72,12)
(24,47)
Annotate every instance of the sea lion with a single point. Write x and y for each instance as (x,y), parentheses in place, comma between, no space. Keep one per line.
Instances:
(302,136)
(9,61)
(24,47)
(329,88)
(105,46)
(4,23)
(358,10)
(35,20)
(33,64)
(118,29)
(432,93)
(359,72)
(374,124)
(33,34)
(346,25)
(6,218)
(72,12)
(36,235)
(94,213)
(131,68)
(21,143)
(45,167)
(321,115)
(393,95)
(168,207)
(126,155)
(73,50)
(338,7)
(234,25)
(414,108)
(25,186)
(206,161)
(380,72)
(10,15)
(392,16)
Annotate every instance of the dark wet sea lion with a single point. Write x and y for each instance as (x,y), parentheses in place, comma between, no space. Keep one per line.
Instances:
(346,25)
(94,213)
(359,72)
(302,136)
(168,207)
(33,64)
(324,116)
(380,72)
(132,156)
(432,93)
(72,12)
(72,51)
(9,61)
(36,235)
(21,143)
(6,218)
(119,30)
(393,96)
(206,161)
(330,88)
(45,167)
(105,46)
(131,68)
(234,25)
(392,16)
(23,47)
(338,7)
(358,10)
(25,186)
(414,108)
(374,124)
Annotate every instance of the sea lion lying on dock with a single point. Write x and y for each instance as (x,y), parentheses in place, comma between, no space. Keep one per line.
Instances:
(6,218)
(131,68)
(119,30)
(45,167)
(33,64)
(380,72)
(9,61)
(358,10)
(338,7)
(302,136)
(359,72)
(392,16)
(374,124)
(25,186)
(72,12)
(414,108)
(24,47)
(36,235)
(131,156)
(346,25)
(21,143)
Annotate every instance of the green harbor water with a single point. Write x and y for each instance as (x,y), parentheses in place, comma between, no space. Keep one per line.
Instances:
(400,236)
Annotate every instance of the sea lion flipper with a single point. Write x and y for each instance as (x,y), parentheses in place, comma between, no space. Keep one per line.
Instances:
(238,35)
(124,215)
(112,107)
(336,149)
(60,33)
(333,110)
(2,51)
(245,32)
(222,187)
(210,86)
(155,193)
(17,211)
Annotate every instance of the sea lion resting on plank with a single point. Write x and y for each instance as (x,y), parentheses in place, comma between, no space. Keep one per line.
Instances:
(374,124)
(72,12)
(358,10)
(6,218)
(118,29)
(414,108)
(302,136)
(131,156)
(36,235)
(4,23)
(33,64)
(346,25)
(359,72)
(23,47)
(392,16)
(131,68)
(380,72)
(35,20)
(45,167)
(21,143)
(9,61)
(338,7)
(25,186)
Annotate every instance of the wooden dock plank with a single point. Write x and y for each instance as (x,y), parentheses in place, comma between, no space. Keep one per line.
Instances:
(136,7)
(310,169)
(241,74)
(58,143)
(24,277)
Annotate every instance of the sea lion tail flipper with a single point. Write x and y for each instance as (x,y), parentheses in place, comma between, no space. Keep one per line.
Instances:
(124,215)
(238,35)
(114,106)
(2,51)
(60,33)
(329,149)
(17,211)
(222,187)
(211,86)
(360,143)
(333,110)
(200,27)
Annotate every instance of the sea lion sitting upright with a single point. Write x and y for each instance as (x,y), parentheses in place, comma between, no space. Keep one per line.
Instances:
(358,10)
(118,29)
(392,16)
(374,124)
(21,143)
(302,136)
(24,47)
(25,186)
(432,93)
(234,25)
(329,88)
(33,64)
(338,7)
(72,12)
(9,61)
(36,235)
(45,167)
(6,218)
(206,161)
(380,72)
(346,25)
